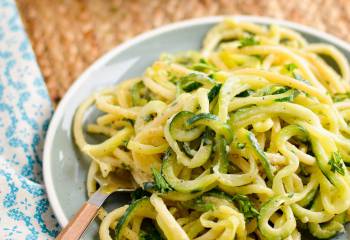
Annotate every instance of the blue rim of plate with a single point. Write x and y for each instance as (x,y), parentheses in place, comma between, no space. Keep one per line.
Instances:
(48,180)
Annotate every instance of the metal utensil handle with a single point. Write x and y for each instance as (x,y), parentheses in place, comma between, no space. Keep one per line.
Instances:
(77,225)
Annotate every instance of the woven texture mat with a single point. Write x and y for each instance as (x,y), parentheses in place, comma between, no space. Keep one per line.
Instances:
(68,35)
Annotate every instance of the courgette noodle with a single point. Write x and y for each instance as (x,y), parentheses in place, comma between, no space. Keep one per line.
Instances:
(248,138)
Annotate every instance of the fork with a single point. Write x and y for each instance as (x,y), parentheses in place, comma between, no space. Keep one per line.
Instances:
(81,220)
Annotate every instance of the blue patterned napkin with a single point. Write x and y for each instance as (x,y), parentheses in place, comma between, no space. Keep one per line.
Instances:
(25,112)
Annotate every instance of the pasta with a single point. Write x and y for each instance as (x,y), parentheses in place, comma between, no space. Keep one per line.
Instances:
(248,138)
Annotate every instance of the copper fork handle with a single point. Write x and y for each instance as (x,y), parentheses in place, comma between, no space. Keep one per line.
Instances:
(78,224)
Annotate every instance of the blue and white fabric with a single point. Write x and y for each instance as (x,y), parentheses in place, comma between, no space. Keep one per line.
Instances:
(25,112)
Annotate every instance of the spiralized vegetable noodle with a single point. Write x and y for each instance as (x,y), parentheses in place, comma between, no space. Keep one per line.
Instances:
(248,138)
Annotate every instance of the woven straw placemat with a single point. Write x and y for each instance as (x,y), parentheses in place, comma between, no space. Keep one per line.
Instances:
(68,35)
